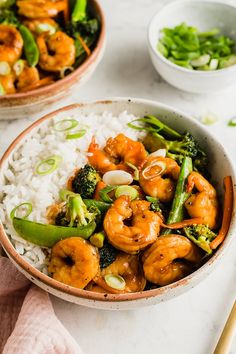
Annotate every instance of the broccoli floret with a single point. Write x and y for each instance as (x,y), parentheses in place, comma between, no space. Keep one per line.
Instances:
(85,181)
(7,17)
(155,204)
(108,255)
(61,219)
(77,212)
(201,235)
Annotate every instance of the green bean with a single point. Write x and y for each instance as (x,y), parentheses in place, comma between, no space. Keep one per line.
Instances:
(30,47)
(177,208)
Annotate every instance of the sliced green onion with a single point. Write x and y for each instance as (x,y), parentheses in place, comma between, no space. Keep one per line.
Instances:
(115,281)
(162,49)
(126,190)
(48,165)
(209,119)
(103,193)
(63,71)
(26,205)
(202,60)
(64,194)
(45,27)
(232,122)
(136,171)
(5,68)
(76,134)
(65,125)
(18,67)
(213,64)
(2,91)
(97,239)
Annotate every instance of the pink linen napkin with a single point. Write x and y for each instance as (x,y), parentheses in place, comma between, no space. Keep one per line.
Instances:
(28,323)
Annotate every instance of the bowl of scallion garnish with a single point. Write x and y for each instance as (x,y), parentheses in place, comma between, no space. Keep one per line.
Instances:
(192,45)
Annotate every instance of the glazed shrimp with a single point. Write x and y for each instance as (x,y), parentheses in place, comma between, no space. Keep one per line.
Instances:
(40,8)
(128,266)
(121,149)
(158,177)
(74,261)
(144,229)
(27,77)
(159,263)
(33,24)
(62,47)
(203,204)
(7,82)
(11,44)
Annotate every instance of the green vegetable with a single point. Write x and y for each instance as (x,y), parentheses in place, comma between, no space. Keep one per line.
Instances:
(187,47)
(48,165)
(108,255)
(97,239)
(45,27)
(46,235)
(126,190)
(65,125)
(2,91)
(79,10)
(232,122)
(85,181)
(77,212)
(177,148)
(30,47)
(6,3)
(7,17)
(136,171)
(18,67)
(209,119)
(115,281)
(201,235)
(177,209)
(155,204)
(103,193)
(76,134)
(5,68)
(26,205)
(101,206)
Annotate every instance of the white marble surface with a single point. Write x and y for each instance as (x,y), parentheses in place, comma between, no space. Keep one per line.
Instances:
(191,323)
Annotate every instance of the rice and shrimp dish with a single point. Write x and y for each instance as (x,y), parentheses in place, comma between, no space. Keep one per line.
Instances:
(113,204)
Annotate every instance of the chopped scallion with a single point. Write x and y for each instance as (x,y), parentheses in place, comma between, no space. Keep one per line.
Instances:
(25,207)
(48,165)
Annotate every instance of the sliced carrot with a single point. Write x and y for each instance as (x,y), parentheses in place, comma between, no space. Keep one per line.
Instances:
(227,213)
(181,224)
(40,83)
(100,185)
(84,45)
(66,12)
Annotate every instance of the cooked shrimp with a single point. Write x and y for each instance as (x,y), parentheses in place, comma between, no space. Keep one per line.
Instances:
(144,229)
(40,8)
(33,24)
(158,177)
(7,82)
(127,266)
(74,261)
(27,77)
(159,263)
(62,47)
(203,204)
(11,44)
(117,153)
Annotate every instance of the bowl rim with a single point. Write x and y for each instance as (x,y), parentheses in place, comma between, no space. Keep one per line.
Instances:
(175,66)
(46,90)
(113,298)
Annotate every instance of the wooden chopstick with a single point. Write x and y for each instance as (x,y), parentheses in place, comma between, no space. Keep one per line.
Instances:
(227,336)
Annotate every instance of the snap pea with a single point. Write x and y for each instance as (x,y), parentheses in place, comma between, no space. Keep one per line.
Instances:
(30,47)
(102,206)
(177,208)
(46,235)
(79,11)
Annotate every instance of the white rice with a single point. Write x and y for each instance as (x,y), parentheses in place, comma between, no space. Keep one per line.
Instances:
(22,184)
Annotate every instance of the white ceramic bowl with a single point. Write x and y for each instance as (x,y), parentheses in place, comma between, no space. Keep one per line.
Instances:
(219,165)
(204,15)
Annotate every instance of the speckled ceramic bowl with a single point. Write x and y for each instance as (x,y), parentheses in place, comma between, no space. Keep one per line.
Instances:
(21,105)
(205,15)
(219,166)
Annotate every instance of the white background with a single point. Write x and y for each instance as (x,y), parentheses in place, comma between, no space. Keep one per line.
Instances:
(191,323)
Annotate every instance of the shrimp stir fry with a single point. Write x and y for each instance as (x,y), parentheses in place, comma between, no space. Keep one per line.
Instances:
(40,8)
(62,47)
(74,261)
(158,177)
(144,224)
(11,44)
(204,203)
(128,266)
(159,261)
(117,154)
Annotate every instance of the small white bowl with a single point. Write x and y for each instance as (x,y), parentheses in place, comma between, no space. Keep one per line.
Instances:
(204,15)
